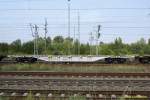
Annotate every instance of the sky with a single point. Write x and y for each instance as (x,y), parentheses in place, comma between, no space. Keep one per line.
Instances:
(128,19)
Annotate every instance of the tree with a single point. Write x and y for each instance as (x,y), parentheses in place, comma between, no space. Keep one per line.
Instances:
(117,46)
(75,46)
(69,39)
(59,46)
(139,47)
(48,40)
(148,41)
(28,47)
(67,44)
(15,46)
(4,48)
(106,50)
(49,45)
(41,45)
(58,39)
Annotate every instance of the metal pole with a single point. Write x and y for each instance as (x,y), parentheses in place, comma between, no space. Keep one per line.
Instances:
(97,46)
(69,26)
(34,46)
(74,39)
(36,37)
(33,34)
(46,31)
(79,33)
(91,39)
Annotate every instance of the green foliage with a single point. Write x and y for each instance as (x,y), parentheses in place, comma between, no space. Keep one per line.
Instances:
(15,46)
(105,50)
(59,46)
(27,48)
(4,48)
(30,97)
(58,39)
(4,98)
(77,98)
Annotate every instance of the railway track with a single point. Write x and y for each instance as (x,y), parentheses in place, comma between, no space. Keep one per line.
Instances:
(79,84)
(71,74)
(73,86)
(65,84)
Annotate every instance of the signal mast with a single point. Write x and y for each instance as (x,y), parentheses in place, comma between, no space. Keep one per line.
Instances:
(97,39)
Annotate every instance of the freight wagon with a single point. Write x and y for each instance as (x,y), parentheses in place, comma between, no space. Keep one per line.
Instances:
(82,59)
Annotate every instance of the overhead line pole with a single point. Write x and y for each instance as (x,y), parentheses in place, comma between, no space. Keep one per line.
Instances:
(74,39)
(35,35)
(79,33)
(46,31)
(36,40)
(69,26)
(31,27)
(91,39)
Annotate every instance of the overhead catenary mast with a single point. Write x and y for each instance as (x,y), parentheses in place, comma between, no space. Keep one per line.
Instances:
(46,31)
(74,38)
(91,41)
(79,33)
(34,30)
(68,26)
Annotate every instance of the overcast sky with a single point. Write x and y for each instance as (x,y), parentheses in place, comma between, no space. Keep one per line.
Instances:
(128,19)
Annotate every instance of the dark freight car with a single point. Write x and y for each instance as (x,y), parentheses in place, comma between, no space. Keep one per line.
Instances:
(26,59)
(2,57)
(116,60)
(143,59)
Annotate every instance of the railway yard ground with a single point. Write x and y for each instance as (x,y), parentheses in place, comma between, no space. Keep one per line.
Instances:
(129,68)
(40,81)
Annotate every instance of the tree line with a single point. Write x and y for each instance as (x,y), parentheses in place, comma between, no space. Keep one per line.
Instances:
(63,46)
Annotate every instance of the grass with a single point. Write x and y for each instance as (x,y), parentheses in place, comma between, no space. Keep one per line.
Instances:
(77,98)
(134,98)
(31,97)
(4,98)
(73,68)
